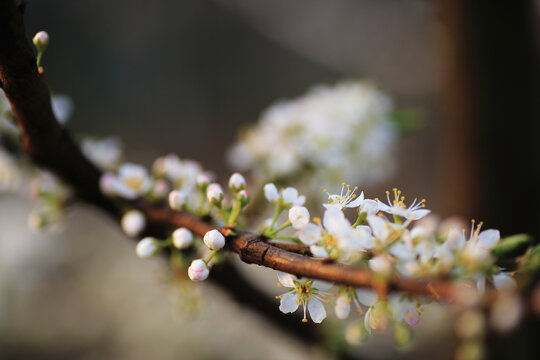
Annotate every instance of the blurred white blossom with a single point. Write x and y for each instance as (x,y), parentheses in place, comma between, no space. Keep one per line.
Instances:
(332,132)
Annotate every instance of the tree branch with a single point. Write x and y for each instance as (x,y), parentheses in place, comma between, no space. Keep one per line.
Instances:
(50,145)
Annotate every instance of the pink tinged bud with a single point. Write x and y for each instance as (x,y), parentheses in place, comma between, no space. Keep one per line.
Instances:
(243,195)
(182,238)
(41,40)
(177,200)
(214,193)
(214,240)
(107,184)
(147,247)
(237,182)
(133,223)
(198,270)
(161,188)
(203,179)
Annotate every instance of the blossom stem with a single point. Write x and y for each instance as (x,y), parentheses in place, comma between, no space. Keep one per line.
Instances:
(237,207)
(284,226)
(211,256)
(278,212)
(361,220)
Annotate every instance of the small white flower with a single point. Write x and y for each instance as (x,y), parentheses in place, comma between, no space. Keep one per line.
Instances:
(41,40)
(298,216)
(286,198)
(131,182)
(104,153)
(349,199)
(204,179)
(271,192)
(397,207)
(214,193)
(237,182)
(182,238)
(198,270)
(336,237)
(107,184)
(405,309)
(305,292)
(160,188)
(133,223)
(214,240)
(177,199)
(147,247)
(243,195)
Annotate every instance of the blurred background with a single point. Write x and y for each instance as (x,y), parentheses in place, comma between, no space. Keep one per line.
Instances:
(185,76)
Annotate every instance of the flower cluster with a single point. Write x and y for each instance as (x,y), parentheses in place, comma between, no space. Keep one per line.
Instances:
(389,238)
(212,201)
(316,138)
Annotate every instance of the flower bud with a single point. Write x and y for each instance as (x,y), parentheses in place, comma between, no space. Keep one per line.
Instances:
(107,184)
(41,40)
(214,193)
(214,240)
(177,200)
(243,195)
(237,182)
(133,223)
(147,247)
(182,238)
(203,180)
(198,270)
(299,216)
(160,189)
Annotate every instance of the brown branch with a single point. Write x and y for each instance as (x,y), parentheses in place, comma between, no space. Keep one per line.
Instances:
(50,145)
(254,249)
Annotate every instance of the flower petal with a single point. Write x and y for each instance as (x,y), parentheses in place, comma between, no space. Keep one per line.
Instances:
(342,307)
(289,303)
(271,192)
(316,311)
(366,296)
(321,285)
(318,251)
(488,238)
(285,279)
(310,234)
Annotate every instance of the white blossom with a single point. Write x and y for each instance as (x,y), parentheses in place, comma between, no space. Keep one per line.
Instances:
(182,238)
(305,292)
(41,40)
(286,197)
(214,240)
(105,153)
(397,207)
(147,247)
(335,237)
(214,193)
(177,199)
(298,216)
(237,182)
(198,270)
(342,131)
(133,223)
